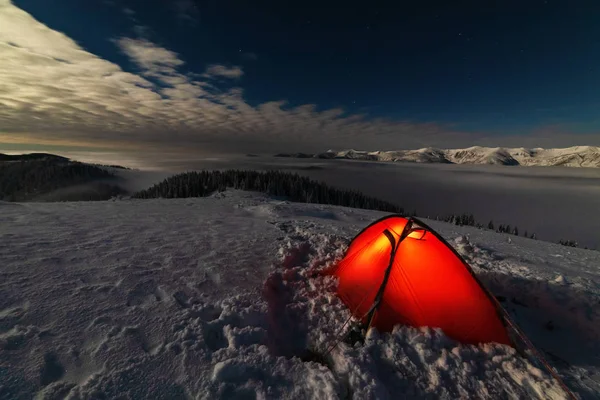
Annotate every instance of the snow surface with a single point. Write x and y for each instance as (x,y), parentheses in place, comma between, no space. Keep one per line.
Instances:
(216,298)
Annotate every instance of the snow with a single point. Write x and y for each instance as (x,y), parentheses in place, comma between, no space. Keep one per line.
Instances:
(217,298)
(576,156)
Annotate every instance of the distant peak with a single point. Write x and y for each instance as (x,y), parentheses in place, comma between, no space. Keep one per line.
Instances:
(576,156)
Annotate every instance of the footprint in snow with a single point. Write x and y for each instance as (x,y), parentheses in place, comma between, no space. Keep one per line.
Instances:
(10,316)
(52,370)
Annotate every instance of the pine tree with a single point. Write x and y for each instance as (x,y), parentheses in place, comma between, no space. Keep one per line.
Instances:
(471,220)
(491,225)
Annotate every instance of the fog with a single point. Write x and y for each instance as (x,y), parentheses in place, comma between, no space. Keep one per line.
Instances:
(554,202)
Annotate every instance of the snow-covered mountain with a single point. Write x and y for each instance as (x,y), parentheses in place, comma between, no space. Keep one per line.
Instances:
(212,298)
(577,156)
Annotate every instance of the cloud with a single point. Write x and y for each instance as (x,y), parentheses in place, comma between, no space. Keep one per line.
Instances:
(154,60)
(52,90)
(223,71)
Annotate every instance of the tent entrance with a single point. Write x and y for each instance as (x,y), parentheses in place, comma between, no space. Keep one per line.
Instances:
(394,248)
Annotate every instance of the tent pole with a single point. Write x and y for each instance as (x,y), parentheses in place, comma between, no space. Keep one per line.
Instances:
(379,296)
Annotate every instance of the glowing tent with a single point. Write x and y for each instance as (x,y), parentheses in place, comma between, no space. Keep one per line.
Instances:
(399,271)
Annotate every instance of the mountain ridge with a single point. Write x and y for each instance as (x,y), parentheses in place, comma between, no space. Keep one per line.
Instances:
(48,177)
(575,156)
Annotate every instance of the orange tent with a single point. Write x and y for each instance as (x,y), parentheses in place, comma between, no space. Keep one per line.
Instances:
(399,271)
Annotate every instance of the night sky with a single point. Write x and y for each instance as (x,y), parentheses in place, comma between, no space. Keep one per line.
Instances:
(241,76)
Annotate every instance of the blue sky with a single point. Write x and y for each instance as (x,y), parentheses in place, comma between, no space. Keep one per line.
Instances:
(269,75)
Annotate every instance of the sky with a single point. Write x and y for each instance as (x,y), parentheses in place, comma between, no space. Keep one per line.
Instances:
(188,77)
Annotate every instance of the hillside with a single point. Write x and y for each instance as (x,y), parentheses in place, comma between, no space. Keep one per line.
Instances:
(32,157)
(578,156)
(211,298)
(46,177)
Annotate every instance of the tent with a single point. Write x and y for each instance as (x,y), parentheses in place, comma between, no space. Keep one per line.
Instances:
(398,270)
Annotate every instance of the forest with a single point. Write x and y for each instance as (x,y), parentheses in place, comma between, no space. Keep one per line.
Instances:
(44,177)
(275,183)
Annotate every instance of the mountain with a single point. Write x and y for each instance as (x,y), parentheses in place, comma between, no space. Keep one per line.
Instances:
(577,156)
(47,177)
(31,157)
(481,155)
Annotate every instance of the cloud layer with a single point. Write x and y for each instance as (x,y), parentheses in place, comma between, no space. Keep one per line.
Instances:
(216,70)
(52,89)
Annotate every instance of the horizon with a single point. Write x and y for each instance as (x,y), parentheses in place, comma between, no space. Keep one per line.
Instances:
(189,78)
(139,163)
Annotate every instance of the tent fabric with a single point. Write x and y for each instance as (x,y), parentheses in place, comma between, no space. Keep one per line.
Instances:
(429,284)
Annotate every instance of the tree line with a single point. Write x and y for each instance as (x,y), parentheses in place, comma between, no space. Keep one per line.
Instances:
(469,220)
(275,183)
